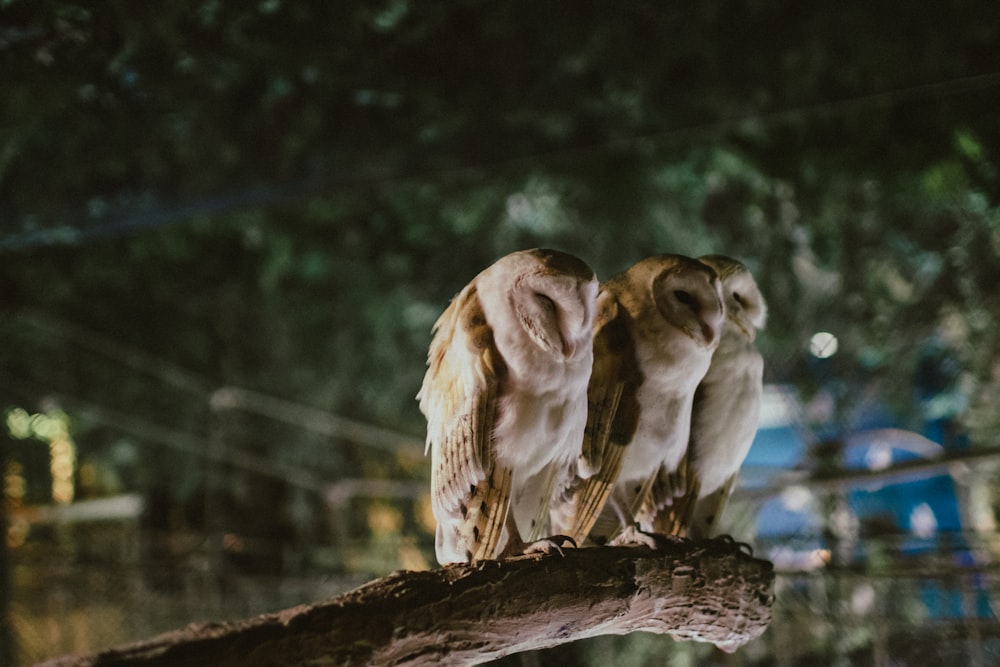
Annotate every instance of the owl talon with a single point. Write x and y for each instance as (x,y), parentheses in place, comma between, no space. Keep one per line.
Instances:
(633,536)
(549,544)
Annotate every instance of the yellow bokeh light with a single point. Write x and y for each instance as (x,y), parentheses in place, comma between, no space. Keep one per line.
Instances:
(17,532)
(62,465)
(62,491)
(15,487)
(425,514)
(411,557)
(51,427)
(384,520)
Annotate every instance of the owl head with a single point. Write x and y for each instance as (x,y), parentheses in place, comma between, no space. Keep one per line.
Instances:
(552,295)
(684,292)
(745,305)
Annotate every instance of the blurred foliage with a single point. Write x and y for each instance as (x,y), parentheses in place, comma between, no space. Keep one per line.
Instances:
(283,196)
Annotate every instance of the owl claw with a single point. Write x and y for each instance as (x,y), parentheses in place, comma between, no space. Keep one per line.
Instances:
(549,544)
(633,536)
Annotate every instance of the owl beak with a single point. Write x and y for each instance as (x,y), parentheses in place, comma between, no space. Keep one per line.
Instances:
(711,324)
(569,349)
(749,331)
(708,333)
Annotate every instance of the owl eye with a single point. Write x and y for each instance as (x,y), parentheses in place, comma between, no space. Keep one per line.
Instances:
(739,299)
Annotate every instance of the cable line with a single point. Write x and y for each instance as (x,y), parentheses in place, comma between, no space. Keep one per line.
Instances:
(127,220)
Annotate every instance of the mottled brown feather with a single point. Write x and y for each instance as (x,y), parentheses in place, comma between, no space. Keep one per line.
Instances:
(466,479)
(704,516)
(489,502)
(612,416)
(671,500)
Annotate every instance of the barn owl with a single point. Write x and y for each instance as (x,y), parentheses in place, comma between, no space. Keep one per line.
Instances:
(725,414)
(656,327)
(505,397)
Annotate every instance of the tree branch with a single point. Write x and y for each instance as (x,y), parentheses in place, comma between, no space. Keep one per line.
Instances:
(708,591)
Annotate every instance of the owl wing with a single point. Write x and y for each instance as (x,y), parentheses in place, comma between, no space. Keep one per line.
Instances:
(612,415)
(470,494)
(671,500)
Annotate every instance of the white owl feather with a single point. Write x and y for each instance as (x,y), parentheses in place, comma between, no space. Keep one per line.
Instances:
(505,397)
(656,328)
(726,408)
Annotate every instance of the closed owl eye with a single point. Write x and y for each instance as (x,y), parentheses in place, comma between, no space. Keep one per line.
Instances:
(546,302)
(685,297)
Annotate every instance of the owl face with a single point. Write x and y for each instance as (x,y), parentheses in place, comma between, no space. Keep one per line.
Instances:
(687,294)
(745,306)
(553,301)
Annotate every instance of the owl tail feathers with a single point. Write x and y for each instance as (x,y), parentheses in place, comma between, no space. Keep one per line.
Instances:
(671,503)
(674,519)
(540,522)
(705,515)
(573,518)
(478,532)
(582,503)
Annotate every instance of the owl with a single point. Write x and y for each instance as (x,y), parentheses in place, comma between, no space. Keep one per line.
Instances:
(656,327)
(725,414)
(505,397)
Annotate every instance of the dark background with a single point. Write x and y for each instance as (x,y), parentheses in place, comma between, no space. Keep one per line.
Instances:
(227,228)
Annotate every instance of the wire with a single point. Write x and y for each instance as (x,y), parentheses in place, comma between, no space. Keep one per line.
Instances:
(197,446)
(77,231)
(123,222)
(228,397)
(132,358)
(313,419)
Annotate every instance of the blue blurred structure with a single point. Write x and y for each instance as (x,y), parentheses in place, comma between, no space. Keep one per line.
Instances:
(909,517)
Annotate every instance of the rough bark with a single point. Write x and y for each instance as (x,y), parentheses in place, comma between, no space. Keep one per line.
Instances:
(708,591)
